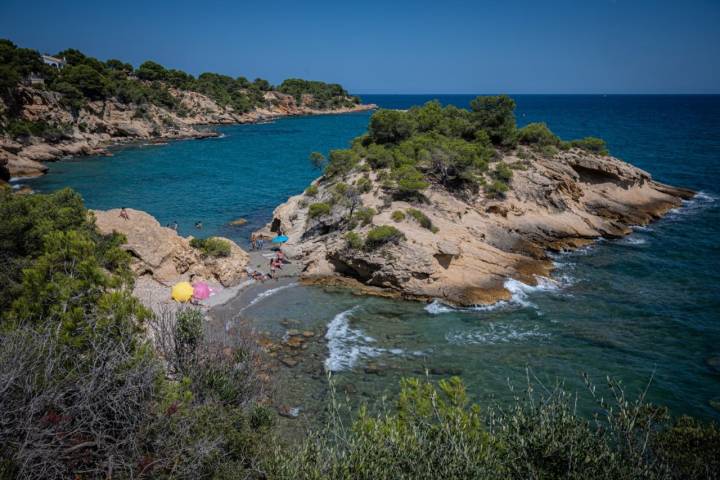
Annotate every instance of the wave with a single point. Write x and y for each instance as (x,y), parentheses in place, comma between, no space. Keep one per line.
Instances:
(494,333)
(346,345)
(699,202)
(518,296)
(263,295)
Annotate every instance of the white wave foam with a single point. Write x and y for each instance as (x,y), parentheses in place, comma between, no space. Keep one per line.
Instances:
(632,240)
(493,334)
(263,295)
(699,202)
(346,345)
(518,295)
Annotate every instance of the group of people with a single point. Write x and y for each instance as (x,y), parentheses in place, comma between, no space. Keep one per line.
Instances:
(276,263)
(257,242)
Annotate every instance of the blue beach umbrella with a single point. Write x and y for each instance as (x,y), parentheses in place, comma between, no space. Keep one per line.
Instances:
(280,239)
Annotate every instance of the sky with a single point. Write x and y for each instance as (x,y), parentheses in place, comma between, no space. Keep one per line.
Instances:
(440,46)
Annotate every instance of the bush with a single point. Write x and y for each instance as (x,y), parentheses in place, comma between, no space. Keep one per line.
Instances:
(537,134)
(354,240)
(390,126)
(341,162)
(311,191)
(382,235)
(434,432)
(495,115)
(591,144)
(318,209)
(398,216)
(502,172)
(363,184)
(211,247)
(496,189)
(364,215)
(408,181)
(421,218)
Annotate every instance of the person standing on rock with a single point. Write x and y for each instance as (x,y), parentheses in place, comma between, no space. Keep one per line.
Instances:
(175,225)
(198,225)
(124,214)
(260,242)
(253,244)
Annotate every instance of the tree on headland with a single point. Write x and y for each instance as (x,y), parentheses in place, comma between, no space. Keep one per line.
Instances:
(317,159)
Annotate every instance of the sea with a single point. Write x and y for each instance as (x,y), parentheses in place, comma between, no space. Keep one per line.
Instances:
(643,310)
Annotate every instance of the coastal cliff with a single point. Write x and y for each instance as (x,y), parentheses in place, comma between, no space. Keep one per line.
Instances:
(460,237)
(80,105)
(102,123)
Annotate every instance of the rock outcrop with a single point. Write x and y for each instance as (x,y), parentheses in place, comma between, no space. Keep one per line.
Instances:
(167,257)
(554,204)
(100,124)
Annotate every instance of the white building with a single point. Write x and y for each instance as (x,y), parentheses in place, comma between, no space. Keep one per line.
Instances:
(54,62)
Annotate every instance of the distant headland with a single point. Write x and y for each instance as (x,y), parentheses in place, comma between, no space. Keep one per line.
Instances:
(71,104)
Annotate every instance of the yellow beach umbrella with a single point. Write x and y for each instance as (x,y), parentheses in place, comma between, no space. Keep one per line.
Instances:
(182,292)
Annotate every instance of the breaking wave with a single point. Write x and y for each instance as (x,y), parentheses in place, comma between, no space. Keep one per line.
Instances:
(494,333)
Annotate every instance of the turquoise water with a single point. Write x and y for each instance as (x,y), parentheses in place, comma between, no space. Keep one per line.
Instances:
(646,305)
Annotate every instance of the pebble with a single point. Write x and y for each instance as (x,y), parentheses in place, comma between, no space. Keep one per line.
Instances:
(289,362)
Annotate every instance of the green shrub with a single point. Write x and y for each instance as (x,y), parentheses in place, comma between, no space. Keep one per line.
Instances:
(496,189)
(421,218)
(364,215)
(341,188)
(382,235)
(408,181)
(495,115)
(318,209)
(502,172)
(311,191)
(591,144)
(537,134)
(211,247)
(363,184)
(341,162)
(354,240)
(398,216)
(390,126)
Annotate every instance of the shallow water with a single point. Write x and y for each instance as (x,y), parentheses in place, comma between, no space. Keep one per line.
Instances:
(645,305)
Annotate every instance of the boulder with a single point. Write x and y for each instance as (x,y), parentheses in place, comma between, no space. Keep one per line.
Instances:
(168,257)
(41,153)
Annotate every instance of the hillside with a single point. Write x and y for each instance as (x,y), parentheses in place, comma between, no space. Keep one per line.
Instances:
(81,107)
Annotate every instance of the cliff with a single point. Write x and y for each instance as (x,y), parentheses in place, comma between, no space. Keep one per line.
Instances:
(463,248)
(101,123)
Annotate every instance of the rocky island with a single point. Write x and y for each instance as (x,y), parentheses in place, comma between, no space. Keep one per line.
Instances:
(73,105)
(446,203)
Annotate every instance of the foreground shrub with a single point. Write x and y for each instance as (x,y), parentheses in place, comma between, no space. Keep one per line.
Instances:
(318,209)
(435,432)
(364,215)
(398,216)
(212,247)
(496,189)
(382,235)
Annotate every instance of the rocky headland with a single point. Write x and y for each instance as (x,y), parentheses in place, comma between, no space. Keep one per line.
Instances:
(360,229)
(102,123)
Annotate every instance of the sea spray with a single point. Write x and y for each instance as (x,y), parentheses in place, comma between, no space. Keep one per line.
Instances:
(346,345)
(263,295)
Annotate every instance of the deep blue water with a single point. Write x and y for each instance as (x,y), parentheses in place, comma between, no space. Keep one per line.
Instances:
(645,305)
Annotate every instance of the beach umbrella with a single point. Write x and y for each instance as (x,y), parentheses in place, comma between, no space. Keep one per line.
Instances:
(280,239)
(182,292)
(201,290)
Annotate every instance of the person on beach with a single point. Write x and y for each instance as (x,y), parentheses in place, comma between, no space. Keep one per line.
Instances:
(253,244)
(124,214)
(260,242)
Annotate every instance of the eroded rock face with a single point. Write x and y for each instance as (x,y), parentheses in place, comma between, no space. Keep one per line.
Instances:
(102,123)
(160,252)
(557,203)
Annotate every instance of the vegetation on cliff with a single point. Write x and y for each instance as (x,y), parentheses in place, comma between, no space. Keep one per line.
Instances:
(85,79)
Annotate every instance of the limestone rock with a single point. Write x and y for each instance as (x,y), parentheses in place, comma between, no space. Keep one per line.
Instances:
(557,203)
(168,257)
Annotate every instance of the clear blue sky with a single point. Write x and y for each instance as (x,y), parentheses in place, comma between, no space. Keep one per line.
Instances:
(440,46)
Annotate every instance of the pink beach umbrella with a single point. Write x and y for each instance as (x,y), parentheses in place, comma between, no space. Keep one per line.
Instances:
(201,290)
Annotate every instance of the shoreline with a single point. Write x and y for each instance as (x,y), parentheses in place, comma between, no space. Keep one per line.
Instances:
(29,159)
